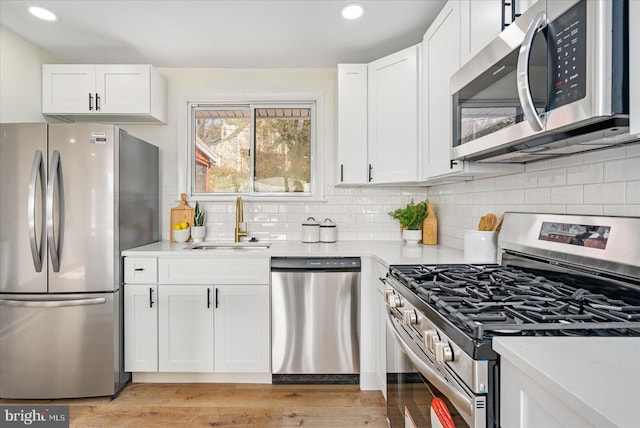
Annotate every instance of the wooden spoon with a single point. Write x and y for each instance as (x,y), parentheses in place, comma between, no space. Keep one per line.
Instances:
(490,222)
(498,225)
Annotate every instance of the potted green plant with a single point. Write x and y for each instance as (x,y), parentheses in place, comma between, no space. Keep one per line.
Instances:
(198,231)
(411,218)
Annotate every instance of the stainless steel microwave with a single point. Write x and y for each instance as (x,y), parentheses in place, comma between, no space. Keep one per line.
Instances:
(555,82)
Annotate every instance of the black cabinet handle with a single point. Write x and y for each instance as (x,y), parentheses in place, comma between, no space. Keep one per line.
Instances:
(208,298)
(341,173)
(90,102)
(138,269)
(97,102)
(370,173)
(151,302)
(217,300)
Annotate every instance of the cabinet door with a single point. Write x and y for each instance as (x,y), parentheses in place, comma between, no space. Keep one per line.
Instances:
(123,88)
(393,117)
(441,58)
(185,328)
(68,88)
(352,124)
(481,22)
(242,328)
(140,328)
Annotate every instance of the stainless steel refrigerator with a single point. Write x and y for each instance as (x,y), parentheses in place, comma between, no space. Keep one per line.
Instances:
(72,196)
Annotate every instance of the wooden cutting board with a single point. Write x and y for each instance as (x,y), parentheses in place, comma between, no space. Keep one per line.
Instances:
(182,212)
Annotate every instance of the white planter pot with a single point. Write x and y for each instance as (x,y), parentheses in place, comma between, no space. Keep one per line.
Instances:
(198,233)
(412,236)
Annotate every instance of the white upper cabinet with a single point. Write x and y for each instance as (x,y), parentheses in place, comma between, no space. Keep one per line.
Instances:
(352,124)
(481,22)
(393,117)
(440,59)
(119,93)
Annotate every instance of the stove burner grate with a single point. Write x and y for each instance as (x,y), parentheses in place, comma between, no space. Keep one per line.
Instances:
(492,299)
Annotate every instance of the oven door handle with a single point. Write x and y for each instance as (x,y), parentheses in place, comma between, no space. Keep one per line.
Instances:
(462,402)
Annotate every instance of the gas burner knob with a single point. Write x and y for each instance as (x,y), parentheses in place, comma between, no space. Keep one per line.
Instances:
(394,300)
(431,338)
(444,352)
(410,317)
(387,293)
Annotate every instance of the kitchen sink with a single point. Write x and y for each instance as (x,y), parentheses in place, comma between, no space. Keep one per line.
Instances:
(237,246)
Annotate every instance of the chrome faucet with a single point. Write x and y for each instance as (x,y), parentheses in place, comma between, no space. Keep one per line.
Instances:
(241,227)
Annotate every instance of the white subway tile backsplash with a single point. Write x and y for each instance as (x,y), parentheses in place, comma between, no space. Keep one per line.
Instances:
(538,166)
(552,177)
(622,170)
(537,196)
(583,174)
(526,180)
(605,193)
(584,209)
(599,183)
(566,195)
(622,210)
(603,155)
(633,150)
(633,192)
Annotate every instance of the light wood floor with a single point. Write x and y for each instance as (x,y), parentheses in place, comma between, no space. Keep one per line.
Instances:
(228,405)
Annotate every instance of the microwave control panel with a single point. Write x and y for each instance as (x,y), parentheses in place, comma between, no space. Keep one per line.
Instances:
(567,38)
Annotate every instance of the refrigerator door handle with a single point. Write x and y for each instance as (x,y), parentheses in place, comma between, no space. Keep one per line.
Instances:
(37,249)
(53,303)
(55,181)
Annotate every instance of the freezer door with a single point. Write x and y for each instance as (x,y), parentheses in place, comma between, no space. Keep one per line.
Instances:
(59,346)
(23,246)
(81,207)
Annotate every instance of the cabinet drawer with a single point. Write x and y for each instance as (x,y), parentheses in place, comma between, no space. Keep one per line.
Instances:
(214,271)
(140,270)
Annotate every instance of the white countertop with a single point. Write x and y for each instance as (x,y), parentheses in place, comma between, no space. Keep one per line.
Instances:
(388,252)
(598,377)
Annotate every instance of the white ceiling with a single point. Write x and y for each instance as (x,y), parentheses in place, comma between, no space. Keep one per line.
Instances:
(220,33)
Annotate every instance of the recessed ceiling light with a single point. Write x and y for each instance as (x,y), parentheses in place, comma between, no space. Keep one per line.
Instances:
(352,11)
(42,13)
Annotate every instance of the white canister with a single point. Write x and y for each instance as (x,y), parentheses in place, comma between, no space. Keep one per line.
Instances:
(480,246)
(328,231)
(311,230)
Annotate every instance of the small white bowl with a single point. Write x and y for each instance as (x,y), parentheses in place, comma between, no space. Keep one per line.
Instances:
(182,235)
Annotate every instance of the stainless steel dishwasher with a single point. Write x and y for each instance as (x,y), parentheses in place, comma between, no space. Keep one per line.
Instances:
(315,316)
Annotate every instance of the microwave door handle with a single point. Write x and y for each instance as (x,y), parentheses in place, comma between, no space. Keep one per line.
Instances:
(524,90)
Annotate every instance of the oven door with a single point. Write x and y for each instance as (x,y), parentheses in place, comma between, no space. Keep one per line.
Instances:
(409,391)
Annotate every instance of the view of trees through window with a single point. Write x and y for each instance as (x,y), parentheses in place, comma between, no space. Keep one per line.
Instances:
(223,144)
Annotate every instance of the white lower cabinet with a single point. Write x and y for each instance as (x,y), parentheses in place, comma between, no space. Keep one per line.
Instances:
(242,328)
(141,328)
(199,325)
(185,328)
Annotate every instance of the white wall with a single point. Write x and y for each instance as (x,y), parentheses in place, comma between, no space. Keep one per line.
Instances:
(600,183)
(360,213)
(21,78)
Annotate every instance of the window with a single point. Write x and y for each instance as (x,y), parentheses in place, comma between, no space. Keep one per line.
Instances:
(254,148)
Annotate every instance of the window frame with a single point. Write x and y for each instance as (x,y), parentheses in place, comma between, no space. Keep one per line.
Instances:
(314,103)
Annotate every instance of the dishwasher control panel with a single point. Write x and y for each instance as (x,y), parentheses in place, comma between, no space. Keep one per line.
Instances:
(351,263)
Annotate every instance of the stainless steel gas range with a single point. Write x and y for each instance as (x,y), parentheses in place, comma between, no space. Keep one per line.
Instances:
(559,275)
